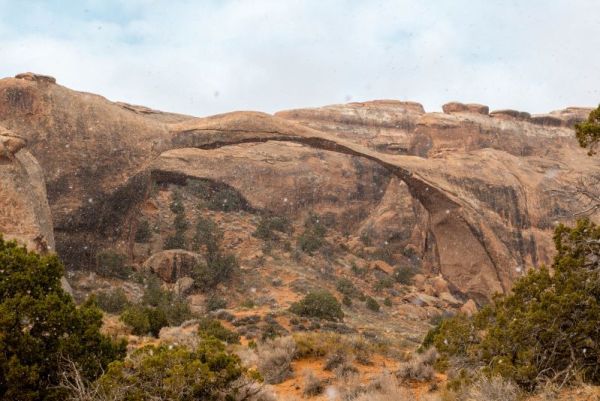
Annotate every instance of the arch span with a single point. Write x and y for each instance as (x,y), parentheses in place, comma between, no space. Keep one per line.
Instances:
(463,253)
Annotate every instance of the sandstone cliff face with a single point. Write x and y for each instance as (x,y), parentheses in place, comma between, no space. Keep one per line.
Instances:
(25,214)
(473,194)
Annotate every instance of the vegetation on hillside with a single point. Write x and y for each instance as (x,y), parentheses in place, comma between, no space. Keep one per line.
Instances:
(588,132)
(41,328)
(546,329)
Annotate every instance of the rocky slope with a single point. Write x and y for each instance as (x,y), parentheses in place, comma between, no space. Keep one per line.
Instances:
(473,195)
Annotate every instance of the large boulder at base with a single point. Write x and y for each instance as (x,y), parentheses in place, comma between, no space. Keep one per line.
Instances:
(173,264)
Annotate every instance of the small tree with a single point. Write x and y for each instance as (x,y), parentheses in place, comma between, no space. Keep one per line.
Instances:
(174,373)
(40,326)
(143,233)
(372,304)
(269,225)
(313,236)
(588,132)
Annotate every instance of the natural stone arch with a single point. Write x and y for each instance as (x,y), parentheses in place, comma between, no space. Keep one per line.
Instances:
(463,255)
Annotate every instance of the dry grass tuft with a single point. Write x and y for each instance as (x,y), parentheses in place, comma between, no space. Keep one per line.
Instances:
(312,384)
(493,389)
(275,359)
(420,367)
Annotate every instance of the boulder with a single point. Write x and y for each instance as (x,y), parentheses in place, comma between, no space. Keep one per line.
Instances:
(184,286)
(449,299)
(383,267)
(173,264)
(440,285)
(469,308)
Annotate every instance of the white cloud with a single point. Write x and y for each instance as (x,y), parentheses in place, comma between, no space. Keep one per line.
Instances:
(209,57)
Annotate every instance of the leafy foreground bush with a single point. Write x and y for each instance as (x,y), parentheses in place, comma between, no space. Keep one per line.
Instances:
(319,304)
(173,373)
(40,327)
(547,329)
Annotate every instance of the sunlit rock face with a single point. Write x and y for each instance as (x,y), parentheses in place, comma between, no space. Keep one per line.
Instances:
(473,194)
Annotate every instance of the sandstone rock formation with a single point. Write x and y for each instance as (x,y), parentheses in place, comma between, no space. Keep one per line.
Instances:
(24,212)
(457,107)
(475,196)
(172,265)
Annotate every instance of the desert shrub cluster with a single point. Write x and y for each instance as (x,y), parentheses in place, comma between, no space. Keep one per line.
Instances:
(269,226)
(313,236)
(41,327)
(319,304)
(158,308)
(546,329)
(219,266)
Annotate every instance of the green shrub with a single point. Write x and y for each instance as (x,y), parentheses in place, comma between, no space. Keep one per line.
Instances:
(176,241)
(546,329)
(112,264)
(207,235)
(404,274)
(40,327)
(113,301)
(383,284)
(588,131)
(219,267)
(248,303)
(225,200)
(174,373)
(216,270)
(320,304)
(372,304)
(346,300)
(144,320)
(387,302)
(158,308)
(347,288)
(313,236)
(143,234)
(214,302)
(208,327)
(176,205)
(180,223)
(268,225)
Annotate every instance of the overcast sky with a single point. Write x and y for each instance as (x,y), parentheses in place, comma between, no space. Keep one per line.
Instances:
(206,57)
